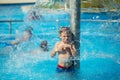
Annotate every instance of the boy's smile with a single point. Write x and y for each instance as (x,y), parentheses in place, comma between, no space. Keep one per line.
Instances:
(65,37)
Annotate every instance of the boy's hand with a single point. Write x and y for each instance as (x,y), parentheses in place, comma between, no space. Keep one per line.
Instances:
(61,47)
(67,47)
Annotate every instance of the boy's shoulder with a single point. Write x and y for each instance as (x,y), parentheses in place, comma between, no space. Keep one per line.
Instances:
(59,42)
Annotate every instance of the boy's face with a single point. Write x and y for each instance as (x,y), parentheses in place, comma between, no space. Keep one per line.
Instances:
(27,35)
(66,37)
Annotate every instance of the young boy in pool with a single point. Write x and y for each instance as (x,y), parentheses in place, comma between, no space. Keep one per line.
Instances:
(33,16)
(43,48)
(66,51)
(12,45)
(26,37)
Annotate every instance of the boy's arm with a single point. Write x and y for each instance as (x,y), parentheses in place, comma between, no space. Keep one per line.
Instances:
(53,53)
(73,50)
(15,42)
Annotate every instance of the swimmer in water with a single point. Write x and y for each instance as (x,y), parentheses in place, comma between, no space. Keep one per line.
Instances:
(26,36)
(43,48)
(66,50)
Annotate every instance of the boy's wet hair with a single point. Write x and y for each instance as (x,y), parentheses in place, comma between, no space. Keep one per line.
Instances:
(29,30)
(44,45)
(65,29)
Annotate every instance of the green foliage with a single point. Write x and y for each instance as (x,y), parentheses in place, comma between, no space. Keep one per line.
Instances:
(58,4)
(55,4)
(99,3)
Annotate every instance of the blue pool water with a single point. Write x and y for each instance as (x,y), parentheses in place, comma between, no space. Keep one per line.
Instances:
(99,51)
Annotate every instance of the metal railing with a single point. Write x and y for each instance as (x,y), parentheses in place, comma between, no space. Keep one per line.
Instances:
(57,22)
(10,23)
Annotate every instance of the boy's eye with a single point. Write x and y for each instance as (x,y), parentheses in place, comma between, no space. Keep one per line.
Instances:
(66,36)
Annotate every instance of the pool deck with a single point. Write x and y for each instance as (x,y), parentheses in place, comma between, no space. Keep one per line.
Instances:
(16,1)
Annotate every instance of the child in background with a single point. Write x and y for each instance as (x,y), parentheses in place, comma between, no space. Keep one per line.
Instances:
(66,50)
(33,16)
(44,45)
(43,48)
(26,37)
(11,46)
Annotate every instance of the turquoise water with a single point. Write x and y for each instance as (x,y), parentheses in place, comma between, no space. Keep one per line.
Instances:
(99,51)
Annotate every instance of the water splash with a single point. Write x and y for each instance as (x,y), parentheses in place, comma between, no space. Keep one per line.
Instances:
(93,40)
(85,55)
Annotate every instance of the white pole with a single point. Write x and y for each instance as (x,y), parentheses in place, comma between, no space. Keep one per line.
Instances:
(75,26)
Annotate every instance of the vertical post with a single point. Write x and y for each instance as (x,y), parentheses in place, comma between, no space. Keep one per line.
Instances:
(57,25)
(65,5)
(70,3)
(75,26)
(10,27)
